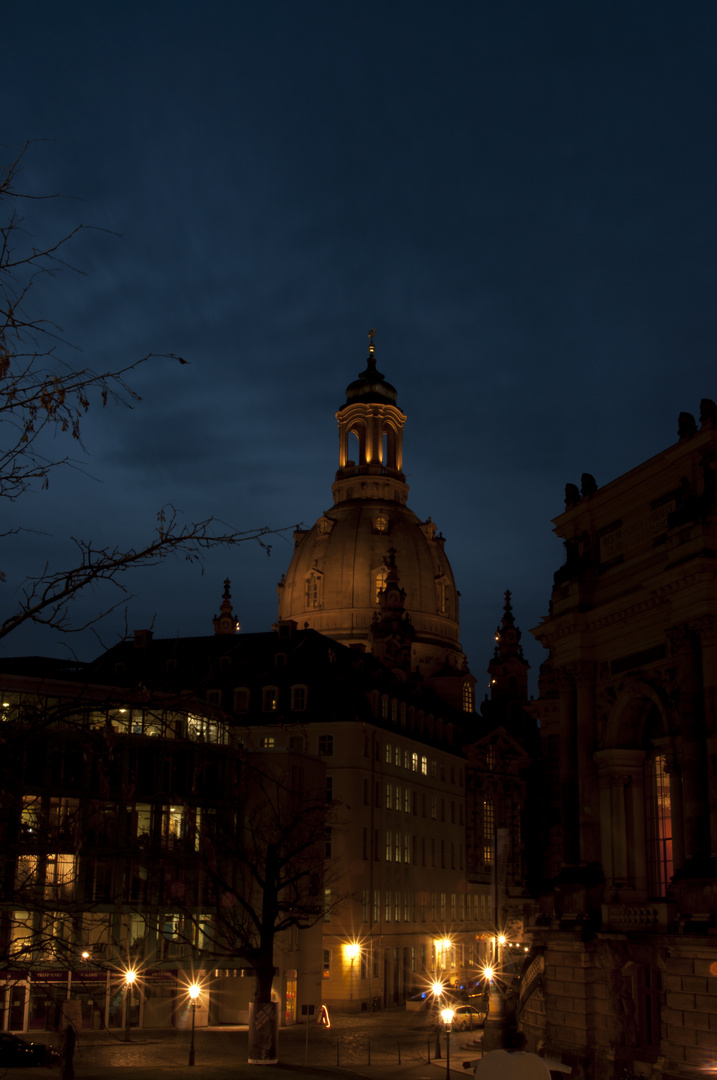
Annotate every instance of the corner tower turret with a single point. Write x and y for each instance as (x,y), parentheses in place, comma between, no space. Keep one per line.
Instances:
(508,669)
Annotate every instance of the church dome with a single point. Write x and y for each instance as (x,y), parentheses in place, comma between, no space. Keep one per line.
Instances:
(341,565)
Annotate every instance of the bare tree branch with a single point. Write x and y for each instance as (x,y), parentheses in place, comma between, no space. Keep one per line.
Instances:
(41,395)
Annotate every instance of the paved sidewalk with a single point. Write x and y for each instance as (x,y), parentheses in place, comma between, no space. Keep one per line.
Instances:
(220,1054)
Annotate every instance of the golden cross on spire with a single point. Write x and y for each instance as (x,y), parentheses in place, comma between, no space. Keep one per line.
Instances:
(371,336)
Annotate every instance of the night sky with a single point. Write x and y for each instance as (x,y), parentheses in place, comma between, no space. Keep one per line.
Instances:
(519,196)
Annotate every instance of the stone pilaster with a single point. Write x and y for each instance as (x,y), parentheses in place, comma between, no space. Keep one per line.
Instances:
(683,647)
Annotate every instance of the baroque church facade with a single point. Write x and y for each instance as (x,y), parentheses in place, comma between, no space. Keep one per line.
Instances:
(582,824)
(362,686)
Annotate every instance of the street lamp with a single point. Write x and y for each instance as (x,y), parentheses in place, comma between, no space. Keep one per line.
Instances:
(129,978)
(194,992)
(352,952)
(447,1015)
(437,991)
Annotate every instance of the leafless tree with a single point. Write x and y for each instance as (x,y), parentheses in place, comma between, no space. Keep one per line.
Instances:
(43,395)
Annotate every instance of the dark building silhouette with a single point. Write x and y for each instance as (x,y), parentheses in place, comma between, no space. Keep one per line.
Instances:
(623,971)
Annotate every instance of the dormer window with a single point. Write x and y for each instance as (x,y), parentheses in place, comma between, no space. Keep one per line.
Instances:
(214,697)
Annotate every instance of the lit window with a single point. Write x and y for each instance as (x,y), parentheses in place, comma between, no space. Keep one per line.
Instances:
(267,742)
(414,762)
(488,832)
(467,697)
(389,754)
(270,699)
(424,766)
(379,583)
(658,823)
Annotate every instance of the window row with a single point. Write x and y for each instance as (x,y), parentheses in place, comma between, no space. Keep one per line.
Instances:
(272,698)
(402,757)
(413,850)
(161,723)
(69,823)
(407,716)
(399,905)
(406,800)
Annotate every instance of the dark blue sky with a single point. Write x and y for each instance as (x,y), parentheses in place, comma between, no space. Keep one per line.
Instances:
(519,196)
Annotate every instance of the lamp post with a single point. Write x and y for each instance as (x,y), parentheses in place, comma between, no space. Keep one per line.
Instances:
(352,951)
(447,1015)
(129,977)
(194,991)
(437,990)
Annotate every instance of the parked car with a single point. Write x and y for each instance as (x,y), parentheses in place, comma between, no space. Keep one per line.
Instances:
(16,1052)
(467,1016)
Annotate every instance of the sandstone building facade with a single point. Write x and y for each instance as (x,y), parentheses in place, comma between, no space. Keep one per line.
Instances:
(623,973)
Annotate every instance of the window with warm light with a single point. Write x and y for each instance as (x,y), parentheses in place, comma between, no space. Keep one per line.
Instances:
(658,824)
(488,832)
(270,699)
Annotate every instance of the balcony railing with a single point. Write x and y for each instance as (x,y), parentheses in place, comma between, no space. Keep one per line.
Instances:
(652,917)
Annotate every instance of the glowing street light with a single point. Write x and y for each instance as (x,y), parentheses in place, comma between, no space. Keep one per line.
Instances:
(352,952)
(130,976)
(447,1015)
(437,991)
(194,992)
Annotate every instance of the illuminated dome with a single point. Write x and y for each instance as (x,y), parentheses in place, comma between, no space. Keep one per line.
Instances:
(341,565)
